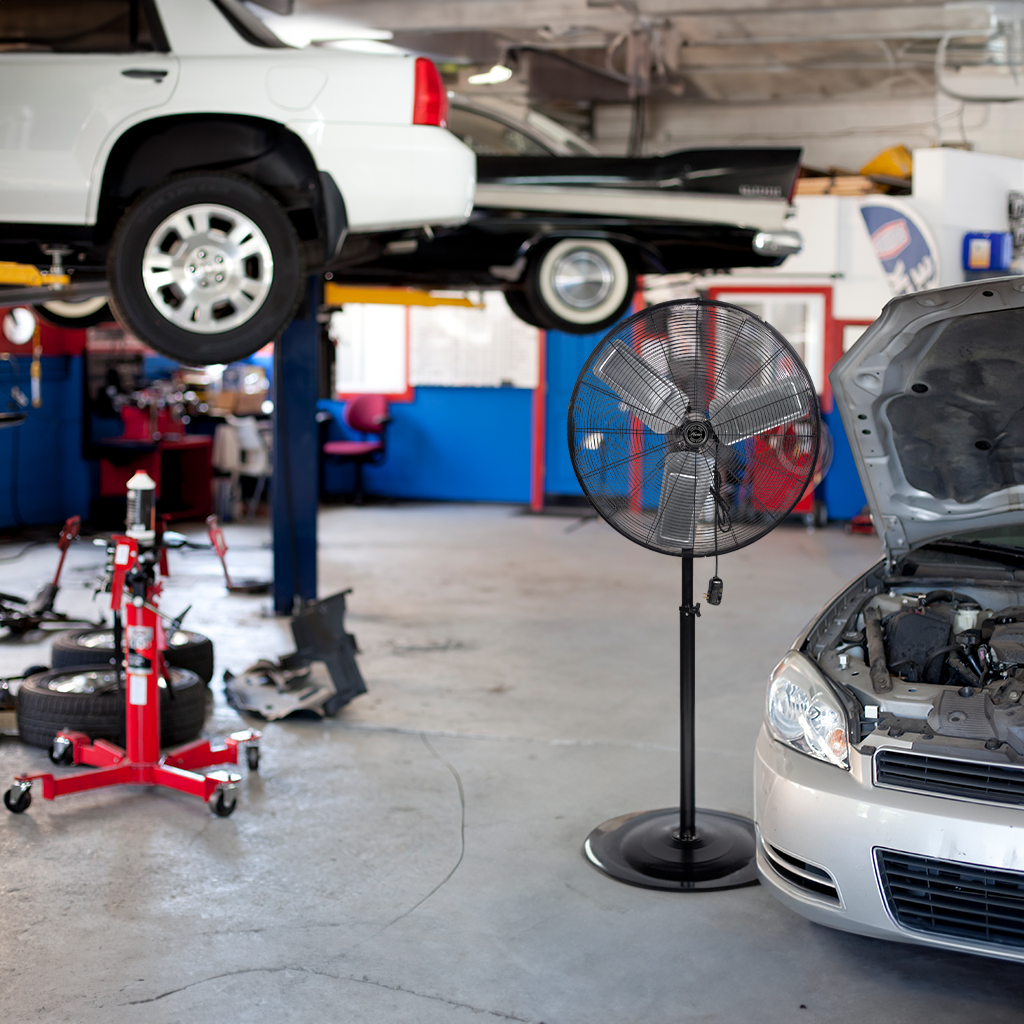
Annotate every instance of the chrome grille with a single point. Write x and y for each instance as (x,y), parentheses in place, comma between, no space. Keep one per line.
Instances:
(942,897)
(989,783)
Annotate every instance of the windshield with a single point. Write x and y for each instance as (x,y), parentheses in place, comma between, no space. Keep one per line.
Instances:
(1002,536)
(248,26)
(489,136)
(566,138)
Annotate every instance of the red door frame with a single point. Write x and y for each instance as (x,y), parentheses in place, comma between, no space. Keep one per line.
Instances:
(833,340)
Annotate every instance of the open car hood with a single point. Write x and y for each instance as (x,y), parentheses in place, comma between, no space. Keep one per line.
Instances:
(932,399)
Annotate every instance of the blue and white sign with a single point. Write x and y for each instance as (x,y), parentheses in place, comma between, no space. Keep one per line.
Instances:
(903,245)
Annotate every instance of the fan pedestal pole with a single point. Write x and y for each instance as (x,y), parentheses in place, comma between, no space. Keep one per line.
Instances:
(681,849)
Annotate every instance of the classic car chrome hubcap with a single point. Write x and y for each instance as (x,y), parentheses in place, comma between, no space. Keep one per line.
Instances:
(207,268)
(582,278)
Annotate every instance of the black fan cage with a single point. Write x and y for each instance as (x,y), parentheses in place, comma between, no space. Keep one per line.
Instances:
(694,428)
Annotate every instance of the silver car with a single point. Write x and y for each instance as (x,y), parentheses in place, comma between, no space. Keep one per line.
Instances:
(889,776)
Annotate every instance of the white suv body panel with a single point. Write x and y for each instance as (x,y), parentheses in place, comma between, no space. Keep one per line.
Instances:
(57,112)
(61,115)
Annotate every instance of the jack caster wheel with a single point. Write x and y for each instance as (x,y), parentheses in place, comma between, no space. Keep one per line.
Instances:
(252,758)
(17,799)
(62,753)
(221,807)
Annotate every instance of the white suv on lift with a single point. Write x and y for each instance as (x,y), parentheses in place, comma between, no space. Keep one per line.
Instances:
(181,151)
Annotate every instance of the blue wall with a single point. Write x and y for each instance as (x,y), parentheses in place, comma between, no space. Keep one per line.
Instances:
(51,481)
(448,444)
(841,489)
(565,355)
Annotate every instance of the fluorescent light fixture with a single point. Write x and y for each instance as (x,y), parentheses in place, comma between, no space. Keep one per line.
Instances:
(499,73)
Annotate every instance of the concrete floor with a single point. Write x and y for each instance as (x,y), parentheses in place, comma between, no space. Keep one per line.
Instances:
(417,859)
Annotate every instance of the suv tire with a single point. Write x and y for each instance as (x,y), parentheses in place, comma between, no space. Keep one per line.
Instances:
(206,268)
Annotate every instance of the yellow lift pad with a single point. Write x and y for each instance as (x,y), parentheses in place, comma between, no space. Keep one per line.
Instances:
(26,274)
(339,294)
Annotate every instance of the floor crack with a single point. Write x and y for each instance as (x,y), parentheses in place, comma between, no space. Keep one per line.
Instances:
(364,980)
(462,838)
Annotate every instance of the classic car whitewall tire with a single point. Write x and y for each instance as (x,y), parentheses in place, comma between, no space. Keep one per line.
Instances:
(579,285)
(77,314)
(520,305)
(205,268)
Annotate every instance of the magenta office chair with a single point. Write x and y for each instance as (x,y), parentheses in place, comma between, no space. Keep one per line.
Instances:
(366,415)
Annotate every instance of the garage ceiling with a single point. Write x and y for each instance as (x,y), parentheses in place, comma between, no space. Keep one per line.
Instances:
(694,51)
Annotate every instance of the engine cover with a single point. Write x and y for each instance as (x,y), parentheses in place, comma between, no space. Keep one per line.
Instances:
(912,637)
(1007,643)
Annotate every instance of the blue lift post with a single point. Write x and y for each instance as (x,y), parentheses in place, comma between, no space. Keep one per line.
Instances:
(296,455)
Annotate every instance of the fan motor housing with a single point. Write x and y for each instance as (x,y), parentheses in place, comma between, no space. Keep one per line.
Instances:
(697,433)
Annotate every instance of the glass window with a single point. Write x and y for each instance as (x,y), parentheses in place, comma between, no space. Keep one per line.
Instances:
(851,335)
(1007,536)
(487,136)
(74,26)
(371,349)
(799,318)
(248,26)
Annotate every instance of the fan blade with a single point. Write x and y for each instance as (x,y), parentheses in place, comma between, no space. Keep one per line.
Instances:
(685,486)
(655,401)
(737,415)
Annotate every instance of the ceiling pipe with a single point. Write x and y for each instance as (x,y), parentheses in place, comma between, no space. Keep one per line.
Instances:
(838,37)
(944,87)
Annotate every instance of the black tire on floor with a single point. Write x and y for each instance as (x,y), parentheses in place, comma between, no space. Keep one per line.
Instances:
(185,649)
(266,268)
(96,706)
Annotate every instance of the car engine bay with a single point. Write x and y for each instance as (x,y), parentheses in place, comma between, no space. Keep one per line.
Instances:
(929,664)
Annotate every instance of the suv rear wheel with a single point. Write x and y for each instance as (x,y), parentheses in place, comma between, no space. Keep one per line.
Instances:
(205,268)
(579,285)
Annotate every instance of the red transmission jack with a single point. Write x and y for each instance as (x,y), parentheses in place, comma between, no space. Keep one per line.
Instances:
(136,584)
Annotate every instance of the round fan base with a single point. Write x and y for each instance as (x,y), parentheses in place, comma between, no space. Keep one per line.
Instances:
(644,849)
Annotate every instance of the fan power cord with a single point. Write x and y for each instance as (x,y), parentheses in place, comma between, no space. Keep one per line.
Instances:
(723,522)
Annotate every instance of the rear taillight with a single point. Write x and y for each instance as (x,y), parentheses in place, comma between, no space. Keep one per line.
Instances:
(430,103)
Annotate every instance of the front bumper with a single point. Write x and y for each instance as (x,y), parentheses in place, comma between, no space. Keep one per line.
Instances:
(819,829)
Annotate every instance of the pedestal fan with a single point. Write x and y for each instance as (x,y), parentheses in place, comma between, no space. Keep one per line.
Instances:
(693,430)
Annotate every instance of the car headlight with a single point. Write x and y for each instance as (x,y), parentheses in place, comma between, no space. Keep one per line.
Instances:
(803,713)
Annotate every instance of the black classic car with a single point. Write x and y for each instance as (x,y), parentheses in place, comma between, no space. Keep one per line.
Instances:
(563,231)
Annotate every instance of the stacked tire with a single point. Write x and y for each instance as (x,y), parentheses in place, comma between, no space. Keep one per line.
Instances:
(84,689)
(90,699)
(185,649)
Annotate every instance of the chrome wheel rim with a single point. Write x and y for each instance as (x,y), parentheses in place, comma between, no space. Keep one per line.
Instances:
(93,681)
(95,640)
(582,278)
(84,682)
(207,268)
